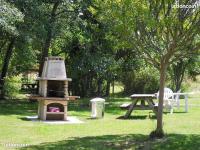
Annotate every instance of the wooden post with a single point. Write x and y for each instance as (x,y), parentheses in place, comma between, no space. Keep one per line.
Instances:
(65,95)
(186,102)
(43,110)
(65,112)
(128,113)
(45,88)
(66,89)
(44,117)
(39,109)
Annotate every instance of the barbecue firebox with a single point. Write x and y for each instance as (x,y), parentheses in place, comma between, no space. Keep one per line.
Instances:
(53,90)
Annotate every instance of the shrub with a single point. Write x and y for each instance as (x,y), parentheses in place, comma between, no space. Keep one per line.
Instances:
(12,86)
(144,80)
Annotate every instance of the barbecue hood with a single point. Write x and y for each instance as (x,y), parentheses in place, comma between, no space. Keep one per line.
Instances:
(54,69)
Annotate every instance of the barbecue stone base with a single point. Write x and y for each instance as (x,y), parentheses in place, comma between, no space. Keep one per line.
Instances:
(43,113)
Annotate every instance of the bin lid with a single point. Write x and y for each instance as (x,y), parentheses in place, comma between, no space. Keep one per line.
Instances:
(97,99)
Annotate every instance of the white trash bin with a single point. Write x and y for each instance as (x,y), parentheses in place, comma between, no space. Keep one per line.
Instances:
(97,107)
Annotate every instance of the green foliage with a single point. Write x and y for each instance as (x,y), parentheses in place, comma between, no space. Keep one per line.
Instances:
(90,59)
(154,29)
(143,80)
(9,16)
(194,67)
(24,57)
(185,87)
(182,70)
(100,40)
(12,86)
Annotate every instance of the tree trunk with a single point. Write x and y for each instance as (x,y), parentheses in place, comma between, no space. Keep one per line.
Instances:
(83,88)
(161,95)
(90,87)
(178,83)
(108,88)
(178,74)
(113,86)
(47,43)
(6,63)
(2,45)
(159,130)
(99,87)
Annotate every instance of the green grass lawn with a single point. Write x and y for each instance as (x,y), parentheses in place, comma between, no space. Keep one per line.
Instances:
(182,129)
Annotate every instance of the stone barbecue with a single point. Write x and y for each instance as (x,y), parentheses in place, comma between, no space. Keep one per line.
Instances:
(53,90)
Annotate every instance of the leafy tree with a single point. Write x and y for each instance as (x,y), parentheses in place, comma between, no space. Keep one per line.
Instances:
(193,67)
(59,14)
(160,33)
(178,70)
(9,18)
(89,58)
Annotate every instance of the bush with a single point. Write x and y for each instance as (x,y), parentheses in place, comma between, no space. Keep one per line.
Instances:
(12,86)
(144,80)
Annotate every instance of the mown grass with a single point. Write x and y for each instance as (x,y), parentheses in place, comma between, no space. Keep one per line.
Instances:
(111,132)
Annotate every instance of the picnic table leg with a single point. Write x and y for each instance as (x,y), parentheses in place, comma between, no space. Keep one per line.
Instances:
(152,105)
(186,103)
(128,113)
(150,102)
(178,101)
(39,109)
(142,103)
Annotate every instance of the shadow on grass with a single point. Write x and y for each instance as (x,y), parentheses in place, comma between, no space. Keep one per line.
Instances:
(24,119)
(110,108)
(114,109)
(137,117)
(113,99)
(106,142)
(179,112)
(120,142)
(175,112)
(109,102)
(26,108)
(18,107)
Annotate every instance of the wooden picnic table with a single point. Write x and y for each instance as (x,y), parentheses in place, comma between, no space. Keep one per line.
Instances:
(145,103)
(29,86)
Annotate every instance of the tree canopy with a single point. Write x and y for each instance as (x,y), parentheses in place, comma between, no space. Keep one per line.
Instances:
(9,17)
